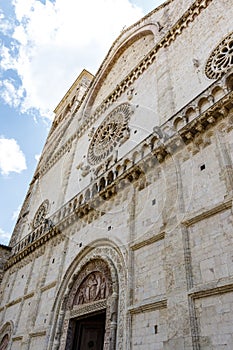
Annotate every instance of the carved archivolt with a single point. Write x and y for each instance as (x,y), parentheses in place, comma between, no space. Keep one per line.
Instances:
(5,335)
(221,58)
(90,292)
(95,284)
(111,133)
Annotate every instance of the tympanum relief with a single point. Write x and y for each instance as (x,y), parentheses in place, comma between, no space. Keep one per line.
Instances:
(94,287)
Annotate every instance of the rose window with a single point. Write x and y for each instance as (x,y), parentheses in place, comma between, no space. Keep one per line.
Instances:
(41,214)
(221,59)
(111,133)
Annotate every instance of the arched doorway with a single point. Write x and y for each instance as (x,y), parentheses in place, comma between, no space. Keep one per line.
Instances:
(90,308)
(75,301)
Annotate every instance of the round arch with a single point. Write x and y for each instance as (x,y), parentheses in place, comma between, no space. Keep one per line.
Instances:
(94,283)
(5,335)
(121,44)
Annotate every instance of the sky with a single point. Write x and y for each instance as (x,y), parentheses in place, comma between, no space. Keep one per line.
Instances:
(44,45)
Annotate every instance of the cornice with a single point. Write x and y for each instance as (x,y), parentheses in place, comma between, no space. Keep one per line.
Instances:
(48,286)
(18,300)
(87,308)
(189,16)
(17,338)
(148,240)
(210,289)
(148,306)
(39,333)
(5,247)
(202,214)
(41,236)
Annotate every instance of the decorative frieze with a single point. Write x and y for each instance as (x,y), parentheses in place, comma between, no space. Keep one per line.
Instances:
(89,309)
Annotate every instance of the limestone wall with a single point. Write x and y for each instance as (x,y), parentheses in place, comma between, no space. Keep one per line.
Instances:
(155,213)
(4,254)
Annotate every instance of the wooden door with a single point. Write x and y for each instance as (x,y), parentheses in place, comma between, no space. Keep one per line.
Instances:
(89,333)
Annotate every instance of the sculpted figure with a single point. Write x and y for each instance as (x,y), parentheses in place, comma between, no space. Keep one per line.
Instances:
(81,297)
(103,289)
(94,288)
(91,288)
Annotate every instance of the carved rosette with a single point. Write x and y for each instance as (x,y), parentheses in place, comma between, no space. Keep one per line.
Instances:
(221,58)
(112,132)
(40,214)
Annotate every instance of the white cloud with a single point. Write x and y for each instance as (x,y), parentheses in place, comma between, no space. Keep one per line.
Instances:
(4,237)
(10,94)
(12,158)
(56,41)
(37,157)
(5,24)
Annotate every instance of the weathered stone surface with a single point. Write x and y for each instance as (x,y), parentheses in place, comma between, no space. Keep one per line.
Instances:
(129,213)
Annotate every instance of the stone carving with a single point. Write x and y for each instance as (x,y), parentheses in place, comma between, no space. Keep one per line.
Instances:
(85,169)
(109,262)
(112,132)
(93,288)
(92,284)
(91,132)
(221,58)
(130,94)
(5,335)
(40,214)
(4,342)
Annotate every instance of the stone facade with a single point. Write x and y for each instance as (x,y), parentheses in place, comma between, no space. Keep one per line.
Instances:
(128,218)
(4,255)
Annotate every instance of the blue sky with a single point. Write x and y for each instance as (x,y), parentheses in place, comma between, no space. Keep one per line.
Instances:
(44,45)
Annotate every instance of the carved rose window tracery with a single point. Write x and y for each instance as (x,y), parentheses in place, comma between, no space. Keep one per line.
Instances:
(41,214)
(111,133)
(221,59)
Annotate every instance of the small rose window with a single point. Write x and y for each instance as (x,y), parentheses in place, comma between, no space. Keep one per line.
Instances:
(221,59)
(41,214)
